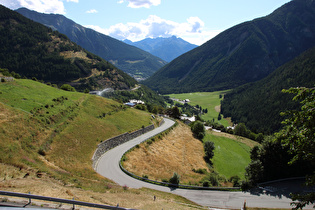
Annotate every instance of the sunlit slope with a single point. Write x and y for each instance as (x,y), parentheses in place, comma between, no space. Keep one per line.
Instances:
(58,131)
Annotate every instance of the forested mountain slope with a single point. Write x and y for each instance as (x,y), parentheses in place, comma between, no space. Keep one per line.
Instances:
(132,60)
(259,104)
(34,50)
(244,53)
(166,48)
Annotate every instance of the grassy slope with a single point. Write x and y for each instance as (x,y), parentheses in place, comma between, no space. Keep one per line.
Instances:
(177,152)
(209,100)
(231,154)
(69,132)
(180,152)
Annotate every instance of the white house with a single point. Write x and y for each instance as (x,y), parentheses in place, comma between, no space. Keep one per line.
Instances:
(134,101)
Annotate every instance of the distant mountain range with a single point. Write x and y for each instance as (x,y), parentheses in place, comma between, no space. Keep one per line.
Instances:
(132,60)
(244,53)
(166,48)
(36,51)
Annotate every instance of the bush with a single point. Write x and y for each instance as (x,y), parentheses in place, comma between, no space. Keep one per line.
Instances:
(206,183)
(235,180)
(175,179)
(41,152)
(214,179)
(200,171)
(241,130)
(67,87)
(198,129)
(209,150)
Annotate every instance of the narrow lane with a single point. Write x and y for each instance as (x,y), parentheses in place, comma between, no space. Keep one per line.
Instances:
(108,166)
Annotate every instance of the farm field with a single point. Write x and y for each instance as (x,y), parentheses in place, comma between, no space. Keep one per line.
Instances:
(207,100)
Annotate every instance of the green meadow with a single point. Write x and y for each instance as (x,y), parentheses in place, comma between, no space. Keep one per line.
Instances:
(27,94)
(231,157)
(207,100)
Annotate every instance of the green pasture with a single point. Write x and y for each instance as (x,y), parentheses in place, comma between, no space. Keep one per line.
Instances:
(27,94)
(207,100)
(230,156)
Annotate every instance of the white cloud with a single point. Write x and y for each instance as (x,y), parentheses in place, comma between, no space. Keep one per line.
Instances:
(98,29)
(192,30)
(92,11)
(43,6)
(141,3)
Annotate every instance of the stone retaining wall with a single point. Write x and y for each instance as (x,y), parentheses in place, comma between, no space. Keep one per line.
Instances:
(116,141)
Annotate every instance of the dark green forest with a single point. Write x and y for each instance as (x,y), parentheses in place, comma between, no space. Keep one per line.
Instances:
(33,50)
(259,104)
(289,152)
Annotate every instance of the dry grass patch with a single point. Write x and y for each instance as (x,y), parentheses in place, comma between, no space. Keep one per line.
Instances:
(26,180)
(177,152)
(72,54)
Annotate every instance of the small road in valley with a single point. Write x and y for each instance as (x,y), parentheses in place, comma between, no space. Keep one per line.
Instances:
(108,166)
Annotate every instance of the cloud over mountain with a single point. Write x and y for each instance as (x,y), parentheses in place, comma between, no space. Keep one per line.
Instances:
(44,6)
(154,27)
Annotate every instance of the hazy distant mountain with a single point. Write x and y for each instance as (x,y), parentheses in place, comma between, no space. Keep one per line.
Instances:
(35,51)
(244,53)
(130,59)
(165,48)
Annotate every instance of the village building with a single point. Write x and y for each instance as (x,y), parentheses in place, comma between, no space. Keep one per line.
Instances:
(134,102)
(6,79)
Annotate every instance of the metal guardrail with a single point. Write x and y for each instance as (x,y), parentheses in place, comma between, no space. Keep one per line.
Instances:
(59,200)
(166,184)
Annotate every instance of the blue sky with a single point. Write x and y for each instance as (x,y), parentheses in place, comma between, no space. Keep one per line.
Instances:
(196,21)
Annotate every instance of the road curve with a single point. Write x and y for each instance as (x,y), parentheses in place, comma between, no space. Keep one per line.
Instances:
(108,166)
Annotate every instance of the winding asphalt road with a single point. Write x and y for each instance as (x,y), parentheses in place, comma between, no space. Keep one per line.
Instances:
(108,166)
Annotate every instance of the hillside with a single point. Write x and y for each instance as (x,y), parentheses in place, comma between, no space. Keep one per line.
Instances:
(244,53)
(33,50)
(134,61)
(159,157)
(166,48)
(259,104)
(48,137)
